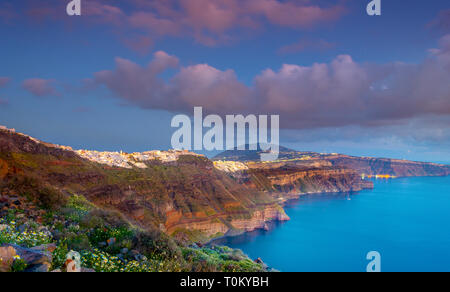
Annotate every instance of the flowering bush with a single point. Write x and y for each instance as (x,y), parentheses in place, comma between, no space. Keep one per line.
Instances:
(28,237)
(77,208)
(19,265)
(107,244)
(220,259)
(103,262)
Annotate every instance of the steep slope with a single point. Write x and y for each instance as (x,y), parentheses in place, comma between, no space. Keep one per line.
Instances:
(255,155)
(186,194)
(289,180)
(362,165)
(392,167)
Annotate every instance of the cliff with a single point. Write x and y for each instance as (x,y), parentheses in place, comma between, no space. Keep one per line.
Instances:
(392,167)
(284,181)
(362,165)
(179,195)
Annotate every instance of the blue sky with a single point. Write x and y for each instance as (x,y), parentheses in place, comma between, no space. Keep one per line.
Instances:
(242,48)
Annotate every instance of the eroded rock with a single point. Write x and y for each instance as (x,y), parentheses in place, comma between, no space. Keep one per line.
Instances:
(7,254)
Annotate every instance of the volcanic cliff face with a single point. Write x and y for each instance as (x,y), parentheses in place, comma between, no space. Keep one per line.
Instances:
(392,167)
(284,181)
(181,196)
(362,165)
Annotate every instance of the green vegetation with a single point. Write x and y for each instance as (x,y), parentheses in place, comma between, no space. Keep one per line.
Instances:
(107,243)
(19,265)
(117,214)
(27,236)
(220,259)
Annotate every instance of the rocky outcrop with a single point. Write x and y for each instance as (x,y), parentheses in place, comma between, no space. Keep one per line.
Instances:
(37,259)
(362,165)
(228,222)
(260,219)
(7,254)
(392,167)
(285,181)
(189,193)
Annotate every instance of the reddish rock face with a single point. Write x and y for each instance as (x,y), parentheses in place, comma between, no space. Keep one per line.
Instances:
(7,254)
(284,181)
(393,167)
(187,194)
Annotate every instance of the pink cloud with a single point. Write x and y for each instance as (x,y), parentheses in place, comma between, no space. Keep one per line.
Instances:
(209,22)
(40,87)
(151,22)
(139,84)
(4,81)
(197,84)
(215,16)
(104,13)
(442,22)
(340,93)
(294,14)
(141,44)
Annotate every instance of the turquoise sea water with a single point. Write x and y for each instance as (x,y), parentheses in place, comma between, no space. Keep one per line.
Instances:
(406,220)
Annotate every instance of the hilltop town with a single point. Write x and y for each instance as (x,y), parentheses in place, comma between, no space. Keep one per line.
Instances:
(130,160)
(230,166)
(116,159)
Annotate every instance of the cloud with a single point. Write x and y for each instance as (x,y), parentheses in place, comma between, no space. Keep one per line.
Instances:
(4,81)
(140,44)
(336,94)
(294,14)
(139,85)
(209,22)
(40,87)
(442,22)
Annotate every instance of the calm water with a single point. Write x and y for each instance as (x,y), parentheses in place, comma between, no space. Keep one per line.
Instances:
(406,220)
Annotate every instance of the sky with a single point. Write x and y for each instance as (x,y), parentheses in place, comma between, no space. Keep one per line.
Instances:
(340,80)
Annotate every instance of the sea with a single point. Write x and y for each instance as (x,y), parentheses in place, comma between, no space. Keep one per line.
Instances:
(406,221)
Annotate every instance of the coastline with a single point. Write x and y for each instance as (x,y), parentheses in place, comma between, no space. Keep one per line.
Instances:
(285,202)
(302,245)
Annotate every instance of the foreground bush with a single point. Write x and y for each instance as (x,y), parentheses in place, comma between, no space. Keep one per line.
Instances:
(107,243)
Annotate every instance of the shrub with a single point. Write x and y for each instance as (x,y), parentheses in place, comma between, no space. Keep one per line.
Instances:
(19,265)
(29,237)
(156,244)
(59,255)
(35,190)
(78,241)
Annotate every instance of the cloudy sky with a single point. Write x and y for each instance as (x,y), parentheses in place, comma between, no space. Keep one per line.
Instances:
(340,80)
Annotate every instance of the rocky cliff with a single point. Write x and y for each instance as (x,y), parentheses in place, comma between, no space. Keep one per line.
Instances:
(284,181)
(362,165)
(385,166)
(185,195)
(180,196)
